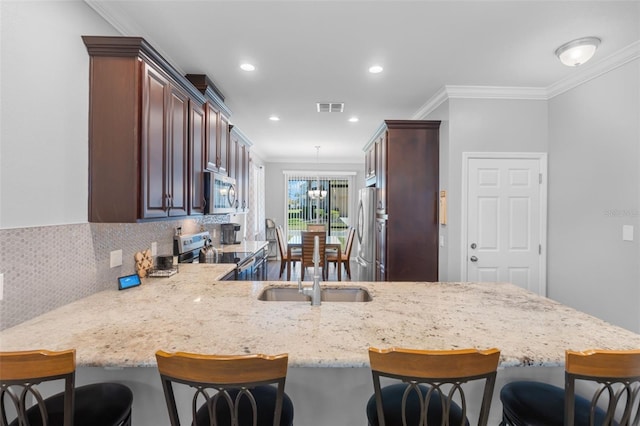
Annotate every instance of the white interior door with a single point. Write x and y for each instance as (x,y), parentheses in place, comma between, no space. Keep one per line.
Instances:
(505,221)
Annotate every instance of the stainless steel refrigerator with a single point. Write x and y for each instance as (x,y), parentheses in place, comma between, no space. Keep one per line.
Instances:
(365,233)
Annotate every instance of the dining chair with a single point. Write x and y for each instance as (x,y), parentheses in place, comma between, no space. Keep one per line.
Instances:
(284,252)
(23,375)
(609,383)
(308,242)
(344,258)
(316,227)
(227,390)
(429,387)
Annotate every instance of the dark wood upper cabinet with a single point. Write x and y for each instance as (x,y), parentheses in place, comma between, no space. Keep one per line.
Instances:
(197,149)
(139,133)
(407,188)
(217,116)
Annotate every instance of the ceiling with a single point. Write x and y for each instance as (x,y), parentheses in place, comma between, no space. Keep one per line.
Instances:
(320,51)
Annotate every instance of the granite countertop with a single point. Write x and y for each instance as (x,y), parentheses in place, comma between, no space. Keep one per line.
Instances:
(193,312)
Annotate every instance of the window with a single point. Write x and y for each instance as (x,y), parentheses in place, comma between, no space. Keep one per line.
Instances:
(318,198)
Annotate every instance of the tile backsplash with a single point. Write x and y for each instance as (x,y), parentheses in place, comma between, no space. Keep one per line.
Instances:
(50,266)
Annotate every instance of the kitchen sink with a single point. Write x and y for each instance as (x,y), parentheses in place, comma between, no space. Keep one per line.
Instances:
(328,294)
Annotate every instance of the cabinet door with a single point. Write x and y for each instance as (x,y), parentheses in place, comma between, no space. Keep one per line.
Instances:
(213,121)
(381,249)
(233,156)
(178,150)
(197,158)
(154,185)
(223,145)
(370,165)
(381,173)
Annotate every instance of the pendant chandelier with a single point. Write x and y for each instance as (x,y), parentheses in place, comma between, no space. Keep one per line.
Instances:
(316,193)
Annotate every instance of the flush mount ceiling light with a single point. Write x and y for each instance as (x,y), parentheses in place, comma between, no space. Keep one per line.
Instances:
(578,51)
(274,118)
(375,69)
(353,119)
(247,67)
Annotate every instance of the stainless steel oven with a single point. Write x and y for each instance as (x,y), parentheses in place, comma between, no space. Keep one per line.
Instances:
(187,248)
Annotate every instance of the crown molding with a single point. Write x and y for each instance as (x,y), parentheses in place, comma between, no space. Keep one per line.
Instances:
(582,75)
(431,105)
(496,92)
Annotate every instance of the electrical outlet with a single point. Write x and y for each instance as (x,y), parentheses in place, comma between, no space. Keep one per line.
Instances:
(116,258)
(154,249)
(1,286)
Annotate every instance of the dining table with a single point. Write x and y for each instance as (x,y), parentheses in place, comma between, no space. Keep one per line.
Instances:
(332,242)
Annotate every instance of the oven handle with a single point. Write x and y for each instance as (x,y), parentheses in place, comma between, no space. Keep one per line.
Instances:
(248,263)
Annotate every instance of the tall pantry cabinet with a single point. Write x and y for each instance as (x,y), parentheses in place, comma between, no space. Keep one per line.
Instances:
(406,154)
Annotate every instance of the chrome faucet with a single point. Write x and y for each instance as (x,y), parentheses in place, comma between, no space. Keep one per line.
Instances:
(314,291)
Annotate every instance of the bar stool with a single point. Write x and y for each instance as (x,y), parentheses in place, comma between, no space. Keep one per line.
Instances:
(98,404)
(236,389)
(431,390)
(615,385)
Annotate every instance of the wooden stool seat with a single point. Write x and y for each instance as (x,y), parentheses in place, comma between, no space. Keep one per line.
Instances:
(240,390)
(431,389)
(614,393)
(98,404)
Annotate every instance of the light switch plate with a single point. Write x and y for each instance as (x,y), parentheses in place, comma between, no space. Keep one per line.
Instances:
(154,249)
(115,258)
(627,232)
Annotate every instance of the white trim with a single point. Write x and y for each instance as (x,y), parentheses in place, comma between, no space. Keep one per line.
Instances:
(431,105)
(496,92)
(542,161)
(579,76)
(583,75)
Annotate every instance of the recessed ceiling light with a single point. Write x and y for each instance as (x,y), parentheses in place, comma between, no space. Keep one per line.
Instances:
(375,69)
(354,119)
(247,67)
(274,118)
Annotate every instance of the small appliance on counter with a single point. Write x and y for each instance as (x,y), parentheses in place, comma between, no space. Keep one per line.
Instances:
(230,233)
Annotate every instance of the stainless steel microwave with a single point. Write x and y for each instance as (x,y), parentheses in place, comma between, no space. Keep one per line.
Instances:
(219,193)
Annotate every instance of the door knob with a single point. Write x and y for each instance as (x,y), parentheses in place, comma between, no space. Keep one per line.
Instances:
(474,245)
(473,259)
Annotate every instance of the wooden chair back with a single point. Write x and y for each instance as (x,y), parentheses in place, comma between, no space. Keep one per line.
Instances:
(216,378)
(616,375)
(316,227)
(308,242)
(444,372)
(282,244)
(20,374)
(349,245)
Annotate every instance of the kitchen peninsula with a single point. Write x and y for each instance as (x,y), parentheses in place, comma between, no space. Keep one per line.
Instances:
(116,334)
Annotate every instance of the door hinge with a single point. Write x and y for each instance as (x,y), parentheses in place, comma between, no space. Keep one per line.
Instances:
(539,177)
(539,248)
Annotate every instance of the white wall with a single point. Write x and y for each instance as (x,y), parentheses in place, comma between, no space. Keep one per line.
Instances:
(481,125)
(44,89)
(594,157)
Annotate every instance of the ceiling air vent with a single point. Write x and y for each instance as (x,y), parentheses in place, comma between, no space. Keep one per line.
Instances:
(330,106)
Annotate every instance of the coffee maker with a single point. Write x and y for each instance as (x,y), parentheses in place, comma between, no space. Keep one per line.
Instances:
(229,233)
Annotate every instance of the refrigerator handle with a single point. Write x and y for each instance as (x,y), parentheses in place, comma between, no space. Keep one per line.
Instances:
(360,224)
